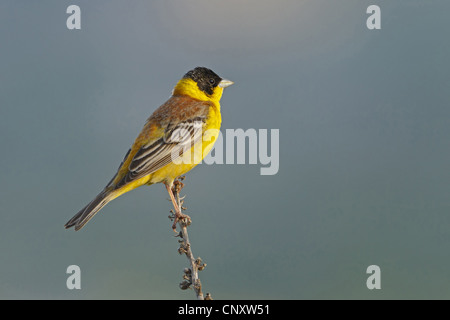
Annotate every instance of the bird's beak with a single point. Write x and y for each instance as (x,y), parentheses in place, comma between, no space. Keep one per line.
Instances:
(225,83)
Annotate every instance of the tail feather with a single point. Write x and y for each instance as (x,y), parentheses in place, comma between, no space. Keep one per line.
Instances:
(88,212)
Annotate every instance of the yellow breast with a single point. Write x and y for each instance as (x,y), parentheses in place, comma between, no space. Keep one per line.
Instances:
(195,154)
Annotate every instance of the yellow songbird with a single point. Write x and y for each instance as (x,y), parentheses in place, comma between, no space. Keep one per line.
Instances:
(184,127)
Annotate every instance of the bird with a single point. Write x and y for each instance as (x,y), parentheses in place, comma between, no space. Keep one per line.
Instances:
(174,139)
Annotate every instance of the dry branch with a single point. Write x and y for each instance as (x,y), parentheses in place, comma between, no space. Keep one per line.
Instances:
(190,276)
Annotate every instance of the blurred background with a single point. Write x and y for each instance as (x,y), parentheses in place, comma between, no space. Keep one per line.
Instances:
(364,148)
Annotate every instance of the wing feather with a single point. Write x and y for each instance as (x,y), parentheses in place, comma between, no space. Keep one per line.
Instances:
(155,155)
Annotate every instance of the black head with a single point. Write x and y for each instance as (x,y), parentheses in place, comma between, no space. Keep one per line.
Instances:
(206,79)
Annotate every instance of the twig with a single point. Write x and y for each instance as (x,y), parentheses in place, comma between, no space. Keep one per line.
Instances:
(190,277)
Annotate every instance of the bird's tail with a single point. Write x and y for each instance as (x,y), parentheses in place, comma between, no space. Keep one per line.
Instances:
(86,214)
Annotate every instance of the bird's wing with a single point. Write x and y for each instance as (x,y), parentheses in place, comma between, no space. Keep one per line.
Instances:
(171,130)
(169,148)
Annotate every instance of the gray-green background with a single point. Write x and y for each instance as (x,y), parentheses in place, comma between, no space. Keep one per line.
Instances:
(364,148)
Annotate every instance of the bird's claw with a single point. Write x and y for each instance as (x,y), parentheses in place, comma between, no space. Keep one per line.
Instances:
(181,217)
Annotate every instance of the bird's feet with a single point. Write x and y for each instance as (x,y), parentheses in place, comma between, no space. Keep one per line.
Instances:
(184,218)
(176,188)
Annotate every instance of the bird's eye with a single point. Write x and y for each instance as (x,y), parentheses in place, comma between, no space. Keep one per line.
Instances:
(212,81)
